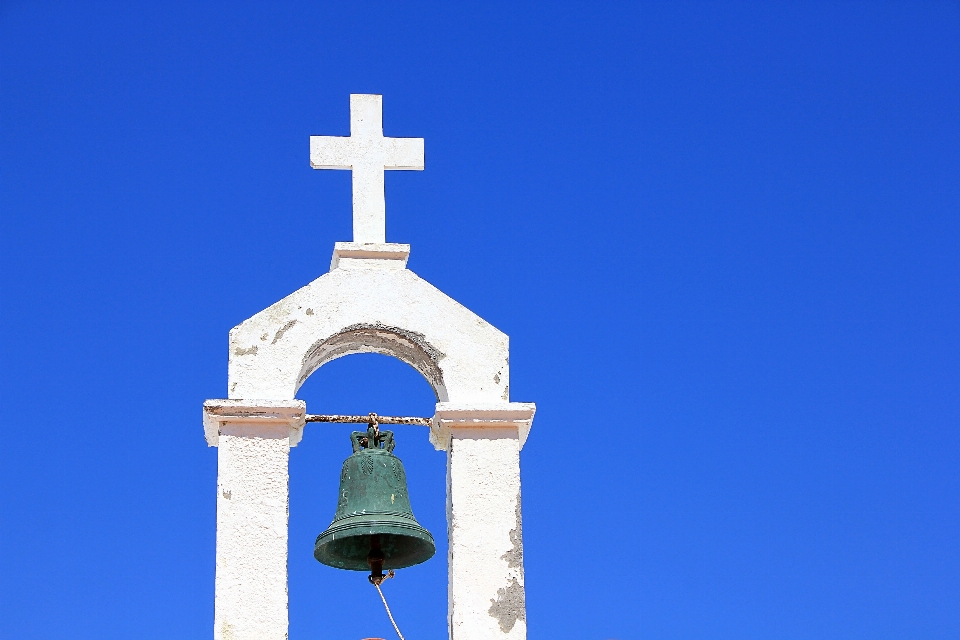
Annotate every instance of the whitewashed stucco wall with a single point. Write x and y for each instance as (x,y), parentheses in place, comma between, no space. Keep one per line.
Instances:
(369,302)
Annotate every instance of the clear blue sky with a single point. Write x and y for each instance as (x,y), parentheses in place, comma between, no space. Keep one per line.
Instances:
(723,238)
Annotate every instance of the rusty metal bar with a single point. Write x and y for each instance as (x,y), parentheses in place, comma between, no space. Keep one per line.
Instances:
(422,422)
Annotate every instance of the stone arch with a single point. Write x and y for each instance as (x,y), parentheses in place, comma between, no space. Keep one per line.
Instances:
(406,346)
(369,307)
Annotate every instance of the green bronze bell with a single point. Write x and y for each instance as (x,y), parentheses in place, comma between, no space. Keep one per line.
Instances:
(374,527)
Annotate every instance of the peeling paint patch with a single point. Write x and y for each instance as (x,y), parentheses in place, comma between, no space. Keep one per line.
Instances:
(283,330)
(264,336)
(417,339)
(252,351)
(227,494)
(514,557)
(309,312)
(506,393)
(509,606)
(496,378)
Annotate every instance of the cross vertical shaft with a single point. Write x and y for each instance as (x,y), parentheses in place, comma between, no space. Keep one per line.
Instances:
(368,154)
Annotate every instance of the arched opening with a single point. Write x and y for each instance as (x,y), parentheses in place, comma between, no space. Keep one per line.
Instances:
(407,346)
(331,603)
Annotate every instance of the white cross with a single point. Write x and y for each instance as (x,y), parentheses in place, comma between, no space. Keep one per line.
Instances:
(367,153)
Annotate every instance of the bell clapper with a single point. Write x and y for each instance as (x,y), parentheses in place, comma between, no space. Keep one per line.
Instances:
(375,560)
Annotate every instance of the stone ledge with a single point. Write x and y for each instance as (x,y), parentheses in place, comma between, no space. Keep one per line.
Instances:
(281,413)
(450,416)
(386,255)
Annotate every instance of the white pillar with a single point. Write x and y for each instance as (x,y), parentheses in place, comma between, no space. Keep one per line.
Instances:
(485,590)
(253,440)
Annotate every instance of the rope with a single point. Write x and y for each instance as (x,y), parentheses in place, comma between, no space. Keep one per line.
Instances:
(423,422)
(387,607)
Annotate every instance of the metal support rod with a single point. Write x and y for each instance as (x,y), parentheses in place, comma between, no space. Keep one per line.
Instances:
(422,422)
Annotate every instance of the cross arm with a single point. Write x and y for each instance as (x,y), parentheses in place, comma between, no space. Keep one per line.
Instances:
(403,153)
(331,152)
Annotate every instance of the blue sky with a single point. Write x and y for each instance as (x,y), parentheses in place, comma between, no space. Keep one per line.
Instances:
(723,238)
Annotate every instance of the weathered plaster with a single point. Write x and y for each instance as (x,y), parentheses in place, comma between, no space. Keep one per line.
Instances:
(514,416)
(514,556)
(509,606)
(485,559)
(367,306)
(286,414)
(404,345)
(252,496)
(510,603)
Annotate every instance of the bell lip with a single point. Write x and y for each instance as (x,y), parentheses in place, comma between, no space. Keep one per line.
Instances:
(428,547)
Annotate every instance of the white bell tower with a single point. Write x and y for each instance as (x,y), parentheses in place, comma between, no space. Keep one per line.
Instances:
(369,302)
